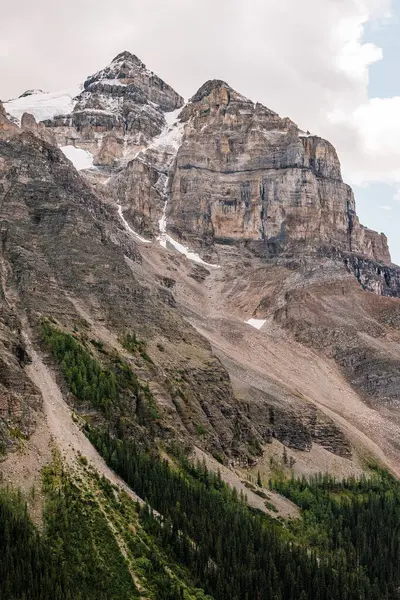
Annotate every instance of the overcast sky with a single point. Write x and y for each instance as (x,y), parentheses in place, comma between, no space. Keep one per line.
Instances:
(331,65)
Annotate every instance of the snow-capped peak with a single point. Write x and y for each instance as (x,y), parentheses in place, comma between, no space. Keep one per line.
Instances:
(31,92)
(124,68)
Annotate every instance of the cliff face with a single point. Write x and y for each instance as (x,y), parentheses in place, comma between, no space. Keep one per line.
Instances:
(244,173)
(232,171)
(65,255)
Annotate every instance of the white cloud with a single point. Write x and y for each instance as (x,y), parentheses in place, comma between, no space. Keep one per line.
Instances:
(375,155)
(384,206)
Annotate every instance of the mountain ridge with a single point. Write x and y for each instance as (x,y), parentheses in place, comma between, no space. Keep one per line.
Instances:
(184,282)
(249,219)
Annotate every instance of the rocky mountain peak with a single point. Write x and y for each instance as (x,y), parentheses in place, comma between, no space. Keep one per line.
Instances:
(212,86)
(126,56)
(262,180)
(127,78)
(216,92)
(116,113)
(124,68)
(31,93)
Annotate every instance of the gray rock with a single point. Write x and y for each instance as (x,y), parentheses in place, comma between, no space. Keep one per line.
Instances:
(121,106)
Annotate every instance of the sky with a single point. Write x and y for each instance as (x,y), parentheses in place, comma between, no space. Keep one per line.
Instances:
(330,65)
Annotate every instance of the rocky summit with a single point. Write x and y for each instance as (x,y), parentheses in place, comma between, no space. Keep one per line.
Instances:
(193,279)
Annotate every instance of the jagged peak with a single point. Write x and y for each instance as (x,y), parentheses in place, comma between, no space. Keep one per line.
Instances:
(127,56)
(219,92)
(124,68)
(127,69)
(208,87)
(31,93)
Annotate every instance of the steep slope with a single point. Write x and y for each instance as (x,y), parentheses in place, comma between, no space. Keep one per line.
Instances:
(65,255)
(181,282)
(257,198)
(294,376)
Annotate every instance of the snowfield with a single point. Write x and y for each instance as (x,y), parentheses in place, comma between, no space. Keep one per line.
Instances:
(81,159)
(43,105)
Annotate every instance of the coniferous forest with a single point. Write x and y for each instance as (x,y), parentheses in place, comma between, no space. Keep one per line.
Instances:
(345,546)
(194,537)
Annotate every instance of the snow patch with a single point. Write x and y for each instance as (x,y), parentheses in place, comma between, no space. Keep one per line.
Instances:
(43,105)
(166,239)
(81,159)
(172,116)
(113,82)
(188,253)
(171,135)
(170,139)
(129,228)
(257,323)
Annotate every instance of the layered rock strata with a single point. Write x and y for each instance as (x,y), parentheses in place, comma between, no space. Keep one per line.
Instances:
(120,109)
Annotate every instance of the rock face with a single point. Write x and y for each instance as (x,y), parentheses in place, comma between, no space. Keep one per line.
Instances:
(6,125)
(19,398)
(381,279)
(119,111)
(62,247)
(28,123)
(142,188)
(245,174)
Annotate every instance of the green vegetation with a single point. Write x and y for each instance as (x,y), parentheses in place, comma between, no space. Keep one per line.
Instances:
(28,568)
(356,520)
(270,506)
(345,546)
(92,546)
(131,343)
(16,433)
(113,388)
(235,552)
(76,558)
(261,494)
(78,534)
(200,430)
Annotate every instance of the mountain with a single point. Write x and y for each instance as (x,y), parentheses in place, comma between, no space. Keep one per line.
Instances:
(112,115)
(183,280)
